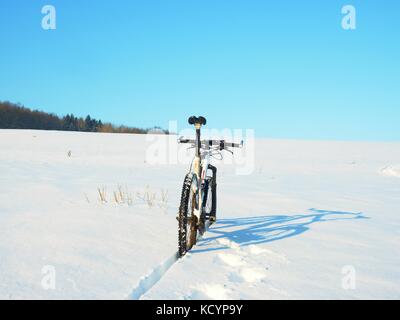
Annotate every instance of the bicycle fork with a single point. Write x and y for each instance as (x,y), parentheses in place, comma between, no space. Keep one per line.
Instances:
(213,185)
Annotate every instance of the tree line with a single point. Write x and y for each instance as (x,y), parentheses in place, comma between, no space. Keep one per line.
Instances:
(15,116)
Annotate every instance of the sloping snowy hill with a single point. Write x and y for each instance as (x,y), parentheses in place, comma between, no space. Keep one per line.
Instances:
(314,219)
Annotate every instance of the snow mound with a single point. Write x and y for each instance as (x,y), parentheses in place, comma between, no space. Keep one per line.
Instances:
(391,171)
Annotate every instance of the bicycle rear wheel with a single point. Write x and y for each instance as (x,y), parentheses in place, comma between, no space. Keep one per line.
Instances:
(187,227)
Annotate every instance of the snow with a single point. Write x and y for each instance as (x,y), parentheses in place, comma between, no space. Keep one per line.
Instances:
(310,214)
(391,171)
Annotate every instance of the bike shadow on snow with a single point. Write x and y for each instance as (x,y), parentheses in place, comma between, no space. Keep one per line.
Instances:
(262,229)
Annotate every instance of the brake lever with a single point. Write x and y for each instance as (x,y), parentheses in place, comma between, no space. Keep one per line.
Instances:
(229,150)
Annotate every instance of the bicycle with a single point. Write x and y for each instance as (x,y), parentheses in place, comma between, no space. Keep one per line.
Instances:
(198,206)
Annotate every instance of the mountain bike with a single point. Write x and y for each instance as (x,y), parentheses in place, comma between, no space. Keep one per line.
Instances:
(198,204)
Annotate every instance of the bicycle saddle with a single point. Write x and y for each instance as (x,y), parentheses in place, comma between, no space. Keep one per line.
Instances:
(197,120)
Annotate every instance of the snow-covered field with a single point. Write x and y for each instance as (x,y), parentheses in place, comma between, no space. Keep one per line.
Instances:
(315,219)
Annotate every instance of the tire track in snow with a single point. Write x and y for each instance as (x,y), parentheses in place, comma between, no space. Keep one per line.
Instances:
(148,281)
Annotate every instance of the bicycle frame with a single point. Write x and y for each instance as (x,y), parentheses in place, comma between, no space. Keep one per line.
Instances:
(201,162)
(198,170)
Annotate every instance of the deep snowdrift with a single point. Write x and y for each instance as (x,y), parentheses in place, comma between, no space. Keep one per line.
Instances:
(310,215)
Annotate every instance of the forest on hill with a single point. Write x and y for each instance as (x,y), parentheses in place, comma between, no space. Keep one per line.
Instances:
(15,116)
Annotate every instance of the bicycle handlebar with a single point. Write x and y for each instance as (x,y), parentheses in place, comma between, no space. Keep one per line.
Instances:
(222,144)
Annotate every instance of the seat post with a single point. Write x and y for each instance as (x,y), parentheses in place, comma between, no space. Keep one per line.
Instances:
(197,122)
(198,141)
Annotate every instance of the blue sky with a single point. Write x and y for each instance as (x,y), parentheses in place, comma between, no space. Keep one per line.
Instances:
(284,68)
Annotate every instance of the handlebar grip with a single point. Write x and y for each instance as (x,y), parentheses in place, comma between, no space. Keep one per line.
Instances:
(223,145)
(185,140)
(234,145)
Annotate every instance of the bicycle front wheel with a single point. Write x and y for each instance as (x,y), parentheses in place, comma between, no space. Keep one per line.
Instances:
(187,228)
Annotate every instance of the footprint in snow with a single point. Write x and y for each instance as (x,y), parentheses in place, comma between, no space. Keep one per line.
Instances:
(209,291)
(249,265)
(273,256)
(232,260)
(228,243)
(247,275)
(243,268)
